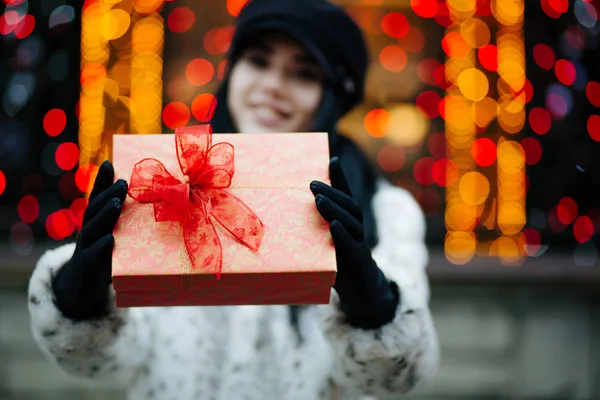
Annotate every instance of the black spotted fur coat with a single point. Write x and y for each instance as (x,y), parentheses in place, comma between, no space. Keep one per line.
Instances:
(256,352)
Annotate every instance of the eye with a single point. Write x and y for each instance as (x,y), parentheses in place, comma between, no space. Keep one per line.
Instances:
(258,60)
(307,74)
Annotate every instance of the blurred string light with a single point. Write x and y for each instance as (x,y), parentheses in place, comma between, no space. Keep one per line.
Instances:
(121,67)
(474,196)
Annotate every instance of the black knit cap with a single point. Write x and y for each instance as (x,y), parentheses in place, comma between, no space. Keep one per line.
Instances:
(325,29)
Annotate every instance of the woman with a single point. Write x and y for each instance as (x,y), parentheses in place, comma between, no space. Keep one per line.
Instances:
(295,65)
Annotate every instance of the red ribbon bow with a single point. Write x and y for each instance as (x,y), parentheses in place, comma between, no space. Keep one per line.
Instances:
(207,170)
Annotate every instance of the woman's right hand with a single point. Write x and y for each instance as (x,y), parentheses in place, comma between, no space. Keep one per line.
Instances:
(81,286)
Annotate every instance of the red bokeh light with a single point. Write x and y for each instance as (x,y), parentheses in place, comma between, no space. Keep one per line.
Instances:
(437,145)
(592,91)
(391,158)
(560,6)
(414,41)
(565,72)
(376,122)
(423,171)
(440,77)
(540,120)
(425,70)
(445,172)
(567,210)
(583,229)
(483,8)
(176,114)
(395,25)
(218,40)
(54,122)
(235,6)
(593,127)
(532,239)
(549,10)
(454,45)
(443,15)
(484,152)
(428,104)
(533,150)
(527,90)
(66,156)
(181,19)
(60,224)
(2,182)
(28,209)
(85,176)
(203,107)
(9,21)
(544,57)
(13,3)
(393,58)
(488,57)
(93,74)
(77,208)
(199,72)
(424,8)
(25,27)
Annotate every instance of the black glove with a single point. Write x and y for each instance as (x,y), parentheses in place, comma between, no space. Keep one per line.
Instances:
(81,285)
(367,298)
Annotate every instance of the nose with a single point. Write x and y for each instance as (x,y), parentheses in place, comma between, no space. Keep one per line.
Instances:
(273,80)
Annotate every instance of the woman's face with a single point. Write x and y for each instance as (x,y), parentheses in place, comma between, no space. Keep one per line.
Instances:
(275,86)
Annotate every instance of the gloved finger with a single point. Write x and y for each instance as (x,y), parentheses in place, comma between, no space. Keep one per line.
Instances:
(337,176)
(116,190)
(98,257)
(103,222)
(343,239)
(338,197)
(104,178)
(330,211)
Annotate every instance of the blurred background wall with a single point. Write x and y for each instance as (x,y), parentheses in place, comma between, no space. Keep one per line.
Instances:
(486,111)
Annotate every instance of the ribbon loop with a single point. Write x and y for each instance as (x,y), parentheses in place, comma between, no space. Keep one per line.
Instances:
(207,170)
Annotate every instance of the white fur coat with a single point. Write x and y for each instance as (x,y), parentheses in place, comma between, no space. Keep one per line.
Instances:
(256,352)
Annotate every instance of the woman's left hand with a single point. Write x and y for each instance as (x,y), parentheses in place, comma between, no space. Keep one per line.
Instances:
(367,298)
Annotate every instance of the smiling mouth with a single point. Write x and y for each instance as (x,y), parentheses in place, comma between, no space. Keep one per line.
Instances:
(270,116)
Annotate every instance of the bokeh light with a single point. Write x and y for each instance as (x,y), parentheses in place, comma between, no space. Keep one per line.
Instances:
(199,72)
(393,58)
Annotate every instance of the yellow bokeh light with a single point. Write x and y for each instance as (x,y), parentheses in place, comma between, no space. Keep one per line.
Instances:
(461,217)
(511,122)
(511,218)
(474,188)
(147,6)
(513,73)
(475,32)
(511,156)
(454,66)
(473,84)
(508,12)
(406,126)
(484,111)
(459,247)
(114,24)
(147,35)
(455,109)
(507,249)
(461,8)
(111,88)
